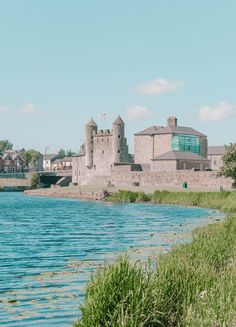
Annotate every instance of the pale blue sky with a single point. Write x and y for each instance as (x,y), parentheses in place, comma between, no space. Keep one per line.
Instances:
(63,61)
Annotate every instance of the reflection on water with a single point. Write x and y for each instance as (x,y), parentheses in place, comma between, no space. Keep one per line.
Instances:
(50,247)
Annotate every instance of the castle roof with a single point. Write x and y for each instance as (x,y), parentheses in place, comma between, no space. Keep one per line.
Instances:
(156,130)
(118,121)
(216,150)
(91,123)
(180,155)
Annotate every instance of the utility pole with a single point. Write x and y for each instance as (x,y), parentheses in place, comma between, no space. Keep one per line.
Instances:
(45,157)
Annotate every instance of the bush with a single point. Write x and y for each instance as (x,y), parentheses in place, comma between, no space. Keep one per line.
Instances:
(34,181)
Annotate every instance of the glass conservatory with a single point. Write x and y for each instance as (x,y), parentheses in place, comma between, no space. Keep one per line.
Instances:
(183,142)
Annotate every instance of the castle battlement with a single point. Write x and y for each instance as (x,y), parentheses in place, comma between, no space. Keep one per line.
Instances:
(101,133)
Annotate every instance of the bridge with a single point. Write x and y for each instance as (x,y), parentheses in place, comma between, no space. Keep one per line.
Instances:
(55,176)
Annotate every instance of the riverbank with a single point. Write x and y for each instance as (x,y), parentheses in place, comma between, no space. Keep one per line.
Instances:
(14,184)
(192,286)
(70,192)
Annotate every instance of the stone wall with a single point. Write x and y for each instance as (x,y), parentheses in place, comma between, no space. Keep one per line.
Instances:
(164,165)
(162,144)
(143,148)
(102,154)
(171,178)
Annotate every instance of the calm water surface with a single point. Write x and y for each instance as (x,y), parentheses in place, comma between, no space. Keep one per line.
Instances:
(49,247)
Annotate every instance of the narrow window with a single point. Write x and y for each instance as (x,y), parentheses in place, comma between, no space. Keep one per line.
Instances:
(102,151)
(118,136)
(118,151)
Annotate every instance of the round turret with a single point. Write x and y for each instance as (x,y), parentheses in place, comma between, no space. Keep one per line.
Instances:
(90,130)
(118,140)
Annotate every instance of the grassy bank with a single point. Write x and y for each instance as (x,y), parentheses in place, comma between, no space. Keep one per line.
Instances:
(194,285)
(224,201)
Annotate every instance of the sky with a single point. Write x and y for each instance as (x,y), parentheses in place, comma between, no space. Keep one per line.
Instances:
(65,61)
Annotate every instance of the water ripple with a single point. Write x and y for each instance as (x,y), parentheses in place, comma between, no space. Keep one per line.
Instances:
(50,247)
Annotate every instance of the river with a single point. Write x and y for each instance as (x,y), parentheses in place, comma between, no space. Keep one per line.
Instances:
(50,247)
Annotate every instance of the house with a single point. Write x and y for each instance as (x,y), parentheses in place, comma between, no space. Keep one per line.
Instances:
(62,164)
(48,160)
(171,147)
(11,162)
(215,155)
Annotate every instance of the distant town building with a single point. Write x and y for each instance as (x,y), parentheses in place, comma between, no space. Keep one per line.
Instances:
(171,147)
(11,162)
(48,160)
(62,164)
(215,155)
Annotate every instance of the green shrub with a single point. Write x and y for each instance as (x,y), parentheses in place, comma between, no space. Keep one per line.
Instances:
(34,181)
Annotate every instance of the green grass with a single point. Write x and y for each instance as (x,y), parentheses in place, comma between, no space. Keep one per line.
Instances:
(128,196)
(224,201)
(194,285)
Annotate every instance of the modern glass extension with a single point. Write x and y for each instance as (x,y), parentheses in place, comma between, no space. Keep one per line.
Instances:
(183,142)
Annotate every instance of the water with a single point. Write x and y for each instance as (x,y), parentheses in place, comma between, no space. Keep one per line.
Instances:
(49,247)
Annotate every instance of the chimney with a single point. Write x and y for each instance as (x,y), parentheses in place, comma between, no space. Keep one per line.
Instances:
(172,121)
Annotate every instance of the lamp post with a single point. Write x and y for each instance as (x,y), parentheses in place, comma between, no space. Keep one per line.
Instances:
(45,159)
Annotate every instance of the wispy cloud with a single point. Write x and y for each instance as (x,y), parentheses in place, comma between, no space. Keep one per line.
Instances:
(136,113)
(158,86)
(28,109)
(217,112)
(4,109)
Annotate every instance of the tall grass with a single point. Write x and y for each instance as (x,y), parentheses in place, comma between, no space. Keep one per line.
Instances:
(194,285)
(128,196)
(224,201)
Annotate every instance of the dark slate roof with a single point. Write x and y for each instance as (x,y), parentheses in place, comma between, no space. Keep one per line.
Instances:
(12,154)
(180,155)
(216,150)
(156,130)
(50,156)
(91,123)
(57,161)
(150,130)
(118,121)
(67,159)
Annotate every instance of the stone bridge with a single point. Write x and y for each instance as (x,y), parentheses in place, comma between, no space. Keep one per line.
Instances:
(53,177)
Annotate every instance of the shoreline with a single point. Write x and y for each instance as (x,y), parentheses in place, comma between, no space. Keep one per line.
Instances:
(191,281)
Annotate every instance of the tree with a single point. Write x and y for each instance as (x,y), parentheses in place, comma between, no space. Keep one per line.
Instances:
(5,145)
(31,157)
(69,153)
(62,153)
(65,153)
(228,169)
(34,181)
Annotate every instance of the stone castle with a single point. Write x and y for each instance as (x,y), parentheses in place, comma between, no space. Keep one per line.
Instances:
(163,155)
(101,151)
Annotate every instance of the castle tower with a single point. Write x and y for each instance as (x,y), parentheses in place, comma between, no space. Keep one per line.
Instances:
(118,131)
(90,129)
